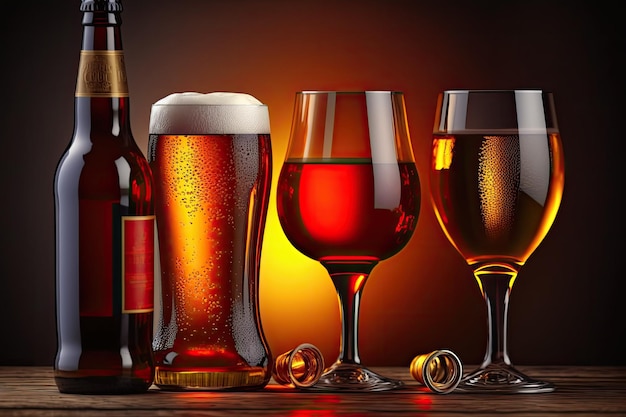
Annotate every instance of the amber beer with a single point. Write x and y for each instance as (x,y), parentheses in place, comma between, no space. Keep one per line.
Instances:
(211,160)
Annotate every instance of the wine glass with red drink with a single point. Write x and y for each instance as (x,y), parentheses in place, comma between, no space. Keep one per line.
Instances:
(496,181)
(348,196)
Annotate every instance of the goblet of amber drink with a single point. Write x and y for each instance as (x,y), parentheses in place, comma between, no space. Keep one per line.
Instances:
(348,196)
(496,181)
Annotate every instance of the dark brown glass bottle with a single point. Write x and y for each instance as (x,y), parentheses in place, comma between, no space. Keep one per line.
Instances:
(104,222)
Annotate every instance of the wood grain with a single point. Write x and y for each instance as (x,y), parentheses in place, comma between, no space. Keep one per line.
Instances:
(30,391)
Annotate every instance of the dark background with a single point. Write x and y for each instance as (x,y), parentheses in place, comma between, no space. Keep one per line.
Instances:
(567,307)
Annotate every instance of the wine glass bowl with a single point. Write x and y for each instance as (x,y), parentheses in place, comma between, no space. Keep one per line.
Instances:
(348,196)
(496,183)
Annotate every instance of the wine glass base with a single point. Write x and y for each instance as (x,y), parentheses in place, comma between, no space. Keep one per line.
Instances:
(501,379)
(353,378)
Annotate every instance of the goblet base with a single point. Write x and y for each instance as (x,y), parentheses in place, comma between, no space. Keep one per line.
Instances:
(353,378)
(501,379)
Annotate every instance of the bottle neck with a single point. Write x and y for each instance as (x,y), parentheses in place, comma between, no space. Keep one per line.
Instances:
(101,94)
(102,30)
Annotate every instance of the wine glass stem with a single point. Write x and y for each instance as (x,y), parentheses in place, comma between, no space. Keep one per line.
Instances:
(496,289)
(349,287)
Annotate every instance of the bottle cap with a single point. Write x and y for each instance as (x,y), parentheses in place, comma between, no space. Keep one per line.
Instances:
(440,370)
(101,6)
(300,367)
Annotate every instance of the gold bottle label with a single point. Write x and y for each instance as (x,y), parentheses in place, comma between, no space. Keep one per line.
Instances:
(101,74)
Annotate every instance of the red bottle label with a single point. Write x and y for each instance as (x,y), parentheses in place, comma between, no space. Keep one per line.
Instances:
(137,264)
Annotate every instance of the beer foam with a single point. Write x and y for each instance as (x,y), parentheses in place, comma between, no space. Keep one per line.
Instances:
(217,113)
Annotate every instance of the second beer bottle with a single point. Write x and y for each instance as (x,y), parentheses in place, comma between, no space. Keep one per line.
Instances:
(104,227)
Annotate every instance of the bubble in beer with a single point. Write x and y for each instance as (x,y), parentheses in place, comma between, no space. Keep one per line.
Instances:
(498,179)
(246,158)
(246,336)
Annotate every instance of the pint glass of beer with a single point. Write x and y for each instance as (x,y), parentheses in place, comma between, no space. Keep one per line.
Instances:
(211,159)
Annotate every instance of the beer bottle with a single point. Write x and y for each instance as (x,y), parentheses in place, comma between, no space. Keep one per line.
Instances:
(104,223)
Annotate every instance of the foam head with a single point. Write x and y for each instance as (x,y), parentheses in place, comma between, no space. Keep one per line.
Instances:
(216,113)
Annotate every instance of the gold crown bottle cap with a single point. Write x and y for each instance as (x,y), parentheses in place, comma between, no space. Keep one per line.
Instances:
(300,367)
(440,370)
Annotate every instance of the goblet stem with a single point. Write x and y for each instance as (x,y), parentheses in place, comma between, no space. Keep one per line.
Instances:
(496,289)
(496,373)
(349,288)
(347,373)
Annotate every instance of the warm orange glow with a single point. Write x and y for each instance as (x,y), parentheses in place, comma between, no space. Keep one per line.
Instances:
(206,352)
(358,283)
(329,399)
(293,286)
(323,213)
(279,389)
(313,413)
(186,211)
(496,268)
(442,153)
(558,184)
(423,403)
(410,300)
(195,395)
(297,298)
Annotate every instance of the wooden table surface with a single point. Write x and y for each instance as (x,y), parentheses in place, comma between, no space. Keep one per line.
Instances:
(581,391)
